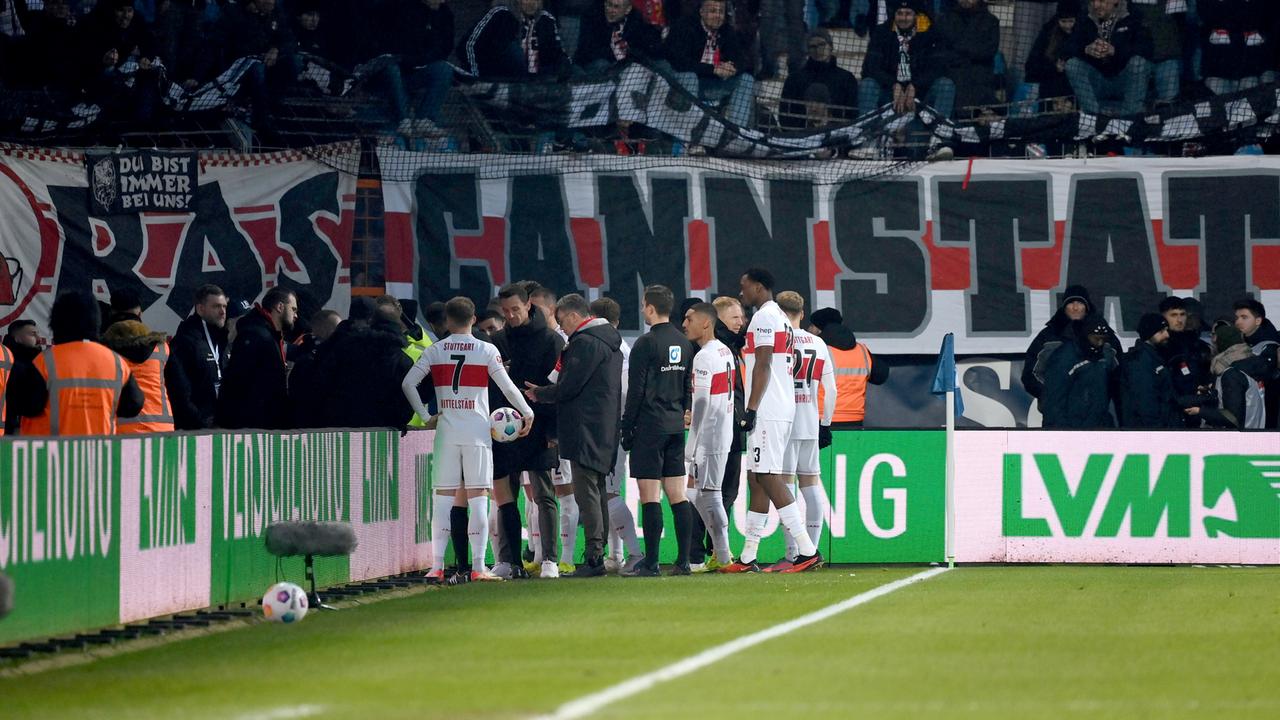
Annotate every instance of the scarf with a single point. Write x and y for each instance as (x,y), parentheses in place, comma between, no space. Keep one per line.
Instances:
(904,56)
(1233,354)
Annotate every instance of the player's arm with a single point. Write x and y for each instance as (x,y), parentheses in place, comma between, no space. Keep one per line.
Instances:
(760,375)
(499,376)
(701,403)
(409,386)
(828,387)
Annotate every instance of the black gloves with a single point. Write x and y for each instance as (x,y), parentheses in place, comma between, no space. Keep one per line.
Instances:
(824,436)
(627,439)
(748,420)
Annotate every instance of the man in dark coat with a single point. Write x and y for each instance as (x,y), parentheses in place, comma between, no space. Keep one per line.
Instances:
(360,378)
(1109,56)
(710,62)
(197,360)
(1075,305)
(1251,320)
(420,34)
(588,396)
(1146,382)
(521,41)
(255,388)
(1046,65)
(614,32)
(821,92)
(903,65)
(1078,378)
(971,36)
(1186,356)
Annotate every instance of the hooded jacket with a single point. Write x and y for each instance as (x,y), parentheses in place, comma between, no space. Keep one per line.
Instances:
(1058,329)
(1077,382)
(1042,61)
(972,39)
(1127,35)
(735,342)
(1149,397)
(531,351)
(357,378)
(194,372)
(1267,368)
(255,387)
(588,396)
(840,337)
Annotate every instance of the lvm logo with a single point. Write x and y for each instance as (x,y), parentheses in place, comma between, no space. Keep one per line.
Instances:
(380,465)
(1146,490)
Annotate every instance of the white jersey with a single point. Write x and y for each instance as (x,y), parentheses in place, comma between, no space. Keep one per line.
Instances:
(770,328)
(460,367)
(711,428)
(811,361)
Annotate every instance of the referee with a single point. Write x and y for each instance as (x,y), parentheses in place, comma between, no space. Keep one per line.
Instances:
(653,428)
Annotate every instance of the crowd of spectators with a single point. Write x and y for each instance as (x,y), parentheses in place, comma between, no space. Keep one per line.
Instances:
(1114,56)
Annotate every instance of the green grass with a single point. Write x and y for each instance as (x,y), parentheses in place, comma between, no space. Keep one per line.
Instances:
(977,642)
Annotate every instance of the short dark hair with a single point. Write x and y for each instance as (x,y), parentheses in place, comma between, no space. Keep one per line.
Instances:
(1251,305)
(705,308)
(1173,302)
(543,293)
(204,292)
(391,301)
(514,290)
(276,296)
(490,313)
(17,325)
(528,285)
(459,310)
(124,299)
(573,302)
(760,275)
(322,315)
(436,312)
(607,308)
(661,298)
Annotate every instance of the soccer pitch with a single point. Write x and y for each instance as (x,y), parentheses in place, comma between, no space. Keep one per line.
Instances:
(974,642)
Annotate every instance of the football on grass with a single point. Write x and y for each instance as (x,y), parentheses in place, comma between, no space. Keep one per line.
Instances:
(284,603)
(504,424)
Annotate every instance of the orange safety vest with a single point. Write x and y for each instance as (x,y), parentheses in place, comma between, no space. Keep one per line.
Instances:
(6,367)
(84,380)
(157,414)
(853,369)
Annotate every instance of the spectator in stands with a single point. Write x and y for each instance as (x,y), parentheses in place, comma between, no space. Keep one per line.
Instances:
(904,64)
(517,41)
(1186,356)
(1047,62)
(1030,18)
(45,58)
(255,390)
(199,357)
(122,72)
(23,342)
(1075,306)
(1149,399)
(781,31)
(971,36)
(420,33)
(1108,57)
(821,91)
(1261,336)
(256,28)
(1236,44)
(1078,377)
(706,55)
(1165,21)
(1240,401)
(615,32)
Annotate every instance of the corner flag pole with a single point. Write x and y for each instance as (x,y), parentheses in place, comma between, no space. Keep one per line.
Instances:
(946,384)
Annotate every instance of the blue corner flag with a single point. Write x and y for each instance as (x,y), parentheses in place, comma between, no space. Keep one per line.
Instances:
(944,376)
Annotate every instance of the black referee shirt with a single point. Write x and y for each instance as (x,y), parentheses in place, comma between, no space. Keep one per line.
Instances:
(658,382)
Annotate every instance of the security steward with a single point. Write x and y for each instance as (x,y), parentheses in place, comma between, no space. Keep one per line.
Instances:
(855,367)
(146,353)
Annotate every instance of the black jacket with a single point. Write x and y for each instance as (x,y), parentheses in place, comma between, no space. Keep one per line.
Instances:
(532,351)
(658,383)
(1077,386)
(687,40)
(842,92)
(23,366)
(1058,329)
(928,58)
(487,51)
(358,378)
(588,396)
(1128,37)
(971,39)
(415,32)
(734,342)
(192,374)
(255,387)
(1149,398)
(1042,61)
(244,33)
(1236,39)
(595,40)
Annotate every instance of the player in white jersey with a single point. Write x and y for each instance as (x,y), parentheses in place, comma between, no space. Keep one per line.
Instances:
(769,413)
(460,367)
(710,426)
(622,523)
(545,300)
(811,366)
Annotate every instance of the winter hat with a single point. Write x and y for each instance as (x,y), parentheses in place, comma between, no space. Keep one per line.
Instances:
(824,317)
(1095,325)
(1076,292)
(1067,9)
(1225,335)
(362,308)
(1150,324)
(820,33)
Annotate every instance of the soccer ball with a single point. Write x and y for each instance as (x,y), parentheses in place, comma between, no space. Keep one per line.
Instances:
(504,424)
(284,603)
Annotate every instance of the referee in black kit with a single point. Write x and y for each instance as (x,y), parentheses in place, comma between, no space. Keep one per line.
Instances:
(653,428)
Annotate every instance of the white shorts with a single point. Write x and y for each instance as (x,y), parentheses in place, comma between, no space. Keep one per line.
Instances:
(802,458)
(562,475)
(708,471)
(614,481)
(469,466)
(767,447)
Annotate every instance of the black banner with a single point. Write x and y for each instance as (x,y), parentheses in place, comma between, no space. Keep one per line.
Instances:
(137,181)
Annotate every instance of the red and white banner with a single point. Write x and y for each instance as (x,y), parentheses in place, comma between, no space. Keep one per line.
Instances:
(257,221)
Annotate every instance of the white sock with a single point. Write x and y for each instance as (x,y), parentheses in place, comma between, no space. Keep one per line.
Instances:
(710,505)
(568,528)
(815,510)
(440,507)
(624,523)
(791,549)
(755,531)
(495,541)
(793,521)
(478,530)
(535,529)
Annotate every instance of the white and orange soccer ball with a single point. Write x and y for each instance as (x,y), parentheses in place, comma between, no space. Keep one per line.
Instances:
(284,603)
(504,424)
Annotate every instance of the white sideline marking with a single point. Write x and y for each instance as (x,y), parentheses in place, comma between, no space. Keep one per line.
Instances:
(589,704)
(284,713)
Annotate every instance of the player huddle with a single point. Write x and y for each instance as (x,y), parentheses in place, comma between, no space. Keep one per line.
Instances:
(686,398)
